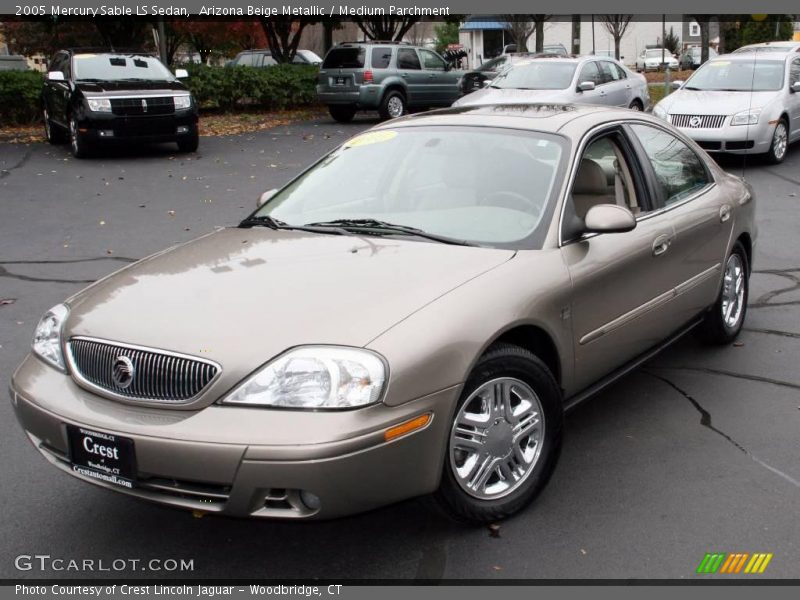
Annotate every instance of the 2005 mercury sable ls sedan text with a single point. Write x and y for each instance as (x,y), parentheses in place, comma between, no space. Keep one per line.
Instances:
(409,316)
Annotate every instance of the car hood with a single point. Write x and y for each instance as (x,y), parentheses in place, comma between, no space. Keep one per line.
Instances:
(126,88)
(699,102)
(242,296)
(491,95)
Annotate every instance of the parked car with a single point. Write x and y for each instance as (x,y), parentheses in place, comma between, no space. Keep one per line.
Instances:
(477,78)
(585,79)
(374,359)
(692,57)
(747,103)
(654,59)
(776,47)
(13,62)
(389,77)
(263,58)
(546,49)
(93,98)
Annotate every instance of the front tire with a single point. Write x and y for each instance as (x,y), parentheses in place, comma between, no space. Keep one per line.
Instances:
(780,143)
(189,143)
(722,324)
(504,439)
(636,105)
(393,105)
(52,132)
(78,142)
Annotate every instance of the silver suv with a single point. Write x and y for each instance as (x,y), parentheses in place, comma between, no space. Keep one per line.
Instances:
(389,77)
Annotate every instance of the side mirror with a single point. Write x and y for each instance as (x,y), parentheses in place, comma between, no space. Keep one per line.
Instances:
(677,84)
(263,198)
(795,87)
(486,82)
(609,218)
(55,76)
(586,86)
(181,73)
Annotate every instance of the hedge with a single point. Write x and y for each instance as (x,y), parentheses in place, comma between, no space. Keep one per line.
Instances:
(20,93)
(226,88)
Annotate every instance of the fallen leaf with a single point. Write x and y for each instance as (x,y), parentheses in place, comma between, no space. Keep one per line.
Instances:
(102,222)
(494,530)
(738,344)
(583,551)
(7,301)
(171,213)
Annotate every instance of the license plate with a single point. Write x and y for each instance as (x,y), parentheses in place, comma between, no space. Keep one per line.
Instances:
(340,81)
(102,456)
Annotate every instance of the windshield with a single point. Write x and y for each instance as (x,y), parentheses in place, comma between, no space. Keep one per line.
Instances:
(111,67)
(484,186)
(738,76)
(540,75)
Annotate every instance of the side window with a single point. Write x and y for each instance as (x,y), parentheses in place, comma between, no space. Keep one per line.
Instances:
(245,60)
(794,71)
(267,61)
(381,57)
(604,176)
(621,74)
(679,171)
(607,71)
(407,59)
(590,72)
(432,61)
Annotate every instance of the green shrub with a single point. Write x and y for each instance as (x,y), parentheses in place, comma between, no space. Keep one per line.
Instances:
(20,96)
(272,88)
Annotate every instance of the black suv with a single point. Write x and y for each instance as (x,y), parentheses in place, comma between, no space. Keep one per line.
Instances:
(91,97)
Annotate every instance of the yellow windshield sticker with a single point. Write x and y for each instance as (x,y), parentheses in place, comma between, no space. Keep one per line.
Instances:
(720,63)
(373,137)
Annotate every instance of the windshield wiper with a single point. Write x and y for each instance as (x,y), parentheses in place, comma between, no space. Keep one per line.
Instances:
(273,223)
(374,225)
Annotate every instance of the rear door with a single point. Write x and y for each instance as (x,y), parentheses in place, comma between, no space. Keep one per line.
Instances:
(615,84)
(409,67)
(698,209)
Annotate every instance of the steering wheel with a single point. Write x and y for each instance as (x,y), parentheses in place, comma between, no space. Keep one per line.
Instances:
(512,200)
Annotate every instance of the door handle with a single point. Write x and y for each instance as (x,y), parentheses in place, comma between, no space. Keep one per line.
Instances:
(724,213)
(661,244)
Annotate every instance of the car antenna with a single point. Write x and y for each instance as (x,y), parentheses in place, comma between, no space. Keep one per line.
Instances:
(749,109)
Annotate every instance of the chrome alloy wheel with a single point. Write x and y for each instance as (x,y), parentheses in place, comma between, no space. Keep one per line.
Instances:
(496,438)
(73,135)
(780,140)
(733,292)
(395,107)
(48,132)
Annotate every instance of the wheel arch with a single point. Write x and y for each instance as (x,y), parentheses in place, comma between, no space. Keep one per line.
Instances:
(537,341)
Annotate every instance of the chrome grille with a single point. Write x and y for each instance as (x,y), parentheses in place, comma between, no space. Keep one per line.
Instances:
(698,121)
(143,106)
(157,376)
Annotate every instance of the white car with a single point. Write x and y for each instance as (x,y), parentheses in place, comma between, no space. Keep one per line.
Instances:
(584,80)
(746,103)
(654,59)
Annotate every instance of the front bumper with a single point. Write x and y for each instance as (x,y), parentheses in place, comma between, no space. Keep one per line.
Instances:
(738,139)
(108,127)
(239,461)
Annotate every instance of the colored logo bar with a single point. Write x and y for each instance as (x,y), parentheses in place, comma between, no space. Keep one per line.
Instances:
(734,563)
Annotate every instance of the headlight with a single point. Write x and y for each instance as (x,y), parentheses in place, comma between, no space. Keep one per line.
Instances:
(47,337)
(660,112)
(746,117)
(182,102)
(99,104)
(315,377)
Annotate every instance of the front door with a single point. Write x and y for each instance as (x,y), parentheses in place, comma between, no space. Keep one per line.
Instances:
(410,69)
(442,87)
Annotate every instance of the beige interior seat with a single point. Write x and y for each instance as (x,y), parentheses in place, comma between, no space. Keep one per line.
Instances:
(591,187)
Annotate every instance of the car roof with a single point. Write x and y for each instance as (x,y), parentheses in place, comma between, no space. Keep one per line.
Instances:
(545,117)
(752,56)
(786,44)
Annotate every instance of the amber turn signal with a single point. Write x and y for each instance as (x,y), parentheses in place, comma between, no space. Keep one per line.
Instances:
(407,427)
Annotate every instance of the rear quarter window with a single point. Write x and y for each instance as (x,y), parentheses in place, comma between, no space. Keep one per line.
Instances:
(345,58)
(381,57)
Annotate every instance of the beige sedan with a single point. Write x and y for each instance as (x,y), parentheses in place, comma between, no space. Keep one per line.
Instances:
(410,316)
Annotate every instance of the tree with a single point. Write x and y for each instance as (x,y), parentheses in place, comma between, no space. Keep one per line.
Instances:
(772,28)
(538,25)
(520,28)
(283,35)
(123,33)
(446,34)
(47,35)
(174,38)
(386,28)
(672,42)
(702,22)
(616,25)
(204,36)
(246,35)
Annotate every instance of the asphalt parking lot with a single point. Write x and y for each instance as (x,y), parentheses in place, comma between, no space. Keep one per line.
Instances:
(696,452)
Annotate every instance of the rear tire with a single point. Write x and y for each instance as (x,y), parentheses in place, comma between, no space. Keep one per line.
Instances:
(722,324)
(500,455)
(52,132)
(342,114)
(393,105)
(780,143)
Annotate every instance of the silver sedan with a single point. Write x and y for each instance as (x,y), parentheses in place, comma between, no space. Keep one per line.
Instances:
(585,80)
(746,103)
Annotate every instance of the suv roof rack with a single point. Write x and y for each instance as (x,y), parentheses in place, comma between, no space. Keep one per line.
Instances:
(400,43)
